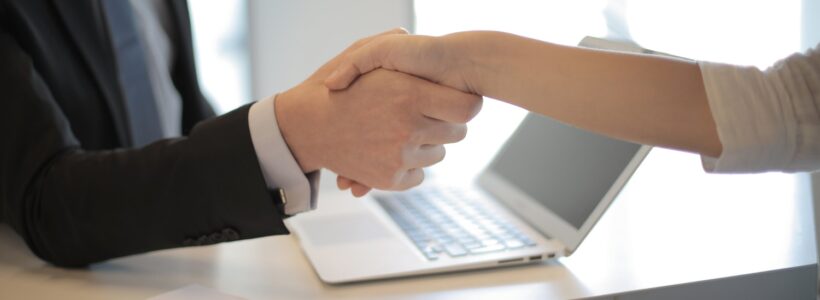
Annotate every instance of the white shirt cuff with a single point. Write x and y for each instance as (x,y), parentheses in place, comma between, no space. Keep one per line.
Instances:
(279,167)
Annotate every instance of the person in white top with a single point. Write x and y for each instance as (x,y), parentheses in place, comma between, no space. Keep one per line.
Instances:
(739,119)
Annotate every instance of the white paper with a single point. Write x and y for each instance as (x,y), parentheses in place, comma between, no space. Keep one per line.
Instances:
(195,291)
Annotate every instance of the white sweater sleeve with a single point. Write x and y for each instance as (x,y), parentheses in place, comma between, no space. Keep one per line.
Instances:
(766,120)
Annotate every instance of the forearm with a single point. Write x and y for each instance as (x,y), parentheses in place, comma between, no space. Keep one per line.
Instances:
(645,99)
(82,207)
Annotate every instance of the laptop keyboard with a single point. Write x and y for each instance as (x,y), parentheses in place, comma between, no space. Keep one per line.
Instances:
(447,222)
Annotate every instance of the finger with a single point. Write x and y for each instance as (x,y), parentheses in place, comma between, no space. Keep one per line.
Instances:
(411,178)
(450,105)
(437,132)
(359,189)
(343,182)
(361,42)
(333,64)
(356,188)
(427,155)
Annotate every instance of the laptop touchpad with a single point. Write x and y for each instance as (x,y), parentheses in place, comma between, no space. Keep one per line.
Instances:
(344,229)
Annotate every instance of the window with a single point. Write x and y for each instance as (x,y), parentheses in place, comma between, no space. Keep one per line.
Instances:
(560,22)
(220,43)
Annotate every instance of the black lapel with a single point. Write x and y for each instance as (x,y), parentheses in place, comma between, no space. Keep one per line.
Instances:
(194,106)
(181,17)
(85,24)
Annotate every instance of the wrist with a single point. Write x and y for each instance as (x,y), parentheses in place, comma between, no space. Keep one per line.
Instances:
(467,51)
(296,117)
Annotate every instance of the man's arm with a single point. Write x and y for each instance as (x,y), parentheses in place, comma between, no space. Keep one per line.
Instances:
(279,167)
(75,207)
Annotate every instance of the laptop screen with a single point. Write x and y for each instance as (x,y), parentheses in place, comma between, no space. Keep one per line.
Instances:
(564,169)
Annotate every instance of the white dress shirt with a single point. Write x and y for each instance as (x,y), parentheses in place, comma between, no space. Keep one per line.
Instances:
(278,165)
(766,120)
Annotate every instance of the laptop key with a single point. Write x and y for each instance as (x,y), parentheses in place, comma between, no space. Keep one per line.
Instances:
(465,241)
(490,242)
(513,244)
(430,255)
(455,250)
(487,249)
(450,223)
(473,245)
(527,242)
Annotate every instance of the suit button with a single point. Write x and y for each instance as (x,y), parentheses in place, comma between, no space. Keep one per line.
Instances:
(215,237)
(230,234)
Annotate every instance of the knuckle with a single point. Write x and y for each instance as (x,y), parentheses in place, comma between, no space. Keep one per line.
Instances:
(472,107)
(418,178)
(462,111)
(463,116)
(441,154)
(460,132)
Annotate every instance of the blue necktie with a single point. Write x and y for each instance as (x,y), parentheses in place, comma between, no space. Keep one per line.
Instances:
(143,115)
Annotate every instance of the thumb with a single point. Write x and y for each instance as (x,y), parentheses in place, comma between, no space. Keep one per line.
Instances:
(342,76)
(365,59)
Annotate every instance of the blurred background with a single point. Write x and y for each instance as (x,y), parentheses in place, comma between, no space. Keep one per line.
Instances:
(250,49)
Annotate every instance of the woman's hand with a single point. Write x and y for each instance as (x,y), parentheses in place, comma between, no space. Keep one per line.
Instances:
(438,59)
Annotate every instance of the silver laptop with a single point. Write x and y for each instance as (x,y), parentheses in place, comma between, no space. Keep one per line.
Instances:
(537,200)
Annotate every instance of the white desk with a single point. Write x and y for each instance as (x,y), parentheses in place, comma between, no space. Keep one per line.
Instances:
(674,232)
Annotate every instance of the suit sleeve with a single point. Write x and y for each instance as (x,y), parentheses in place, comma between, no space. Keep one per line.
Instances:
(75,207)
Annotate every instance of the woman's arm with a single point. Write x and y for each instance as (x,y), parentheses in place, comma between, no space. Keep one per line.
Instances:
(645,99)
(641,98)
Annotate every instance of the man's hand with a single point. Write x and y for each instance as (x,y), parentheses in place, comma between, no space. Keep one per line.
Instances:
(378,132)
(438,59)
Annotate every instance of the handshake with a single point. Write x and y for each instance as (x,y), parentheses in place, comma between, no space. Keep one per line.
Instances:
(383,108)
(375,127)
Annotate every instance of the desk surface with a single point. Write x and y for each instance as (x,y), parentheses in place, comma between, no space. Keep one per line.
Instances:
(663,230)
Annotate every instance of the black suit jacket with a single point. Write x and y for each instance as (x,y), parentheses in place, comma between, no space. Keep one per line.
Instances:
(69,183)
